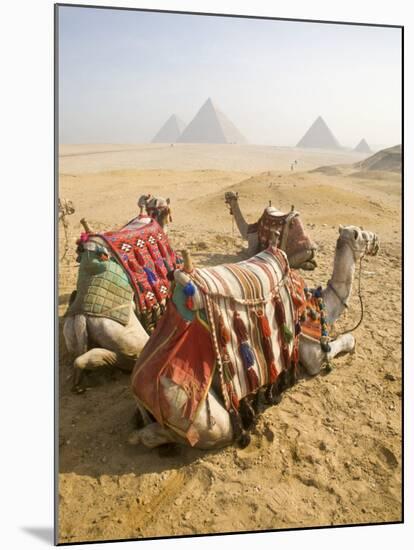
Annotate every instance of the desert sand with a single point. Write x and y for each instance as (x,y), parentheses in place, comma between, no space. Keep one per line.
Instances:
(330,452)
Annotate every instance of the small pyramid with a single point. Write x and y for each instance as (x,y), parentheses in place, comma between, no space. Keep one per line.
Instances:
(319,136)
(363,147)
(211,126)
(170,131)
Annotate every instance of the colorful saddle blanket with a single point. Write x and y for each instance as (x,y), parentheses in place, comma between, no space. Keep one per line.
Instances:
(247,328)
(292,235)
(143,250)
(102,290)
(253,310)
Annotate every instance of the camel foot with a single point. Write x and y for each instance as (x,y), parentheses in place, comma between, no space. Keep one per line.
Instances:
(244,440)
(247,414)
(134,438)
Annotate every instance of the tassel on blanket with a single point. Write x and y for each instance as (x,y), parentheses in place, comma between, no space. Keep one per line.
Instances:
(224,332)
(264,325)
(253,379)
(233,396)
(150,275)
(133,265)
(151,252)
(267,346)
(246,354)
(162,249)
(246,351)
(159,270)
(287,333)
(139,257)
(240,328)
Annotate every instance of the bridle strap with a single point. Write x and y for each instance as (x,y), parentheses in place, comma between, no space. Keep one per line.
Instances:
(330,285)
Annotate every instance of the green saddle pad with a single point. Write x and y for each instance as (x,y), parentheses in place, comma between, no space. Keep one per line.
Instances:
(103,290)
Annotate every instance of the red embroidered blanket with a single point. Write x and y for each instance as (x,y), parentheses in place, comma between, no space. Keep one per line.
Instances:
(178,352)
(147,257)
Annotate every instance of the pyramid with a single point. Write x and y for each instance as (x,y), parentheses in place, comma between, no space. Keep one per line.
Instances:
(363,147)
(211,126)
(319,136)
(170,131)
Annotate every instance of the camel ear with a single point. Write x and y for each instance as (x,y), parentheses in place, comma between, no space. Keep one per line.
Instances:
(168,200)
(237,195)
(340,228)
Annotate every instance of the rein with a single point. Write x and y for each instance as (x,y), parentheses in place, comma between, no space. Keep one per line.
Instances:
(360,301)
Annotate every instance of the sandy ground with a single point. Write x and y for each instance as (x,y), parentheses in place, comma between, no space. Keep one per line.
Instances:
(330,452)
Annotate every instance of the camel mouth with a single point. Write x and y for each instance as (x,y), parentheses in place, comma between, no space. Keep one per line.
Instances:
(373,246)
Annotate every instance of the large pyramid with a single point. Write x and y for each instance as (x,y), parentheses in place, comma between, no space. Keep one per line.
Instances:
(170,131)
(363,147)
(211,126)
(319,136)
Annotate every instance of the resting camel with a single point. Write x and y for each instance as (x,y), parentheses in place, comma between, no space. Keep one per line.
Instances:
(157,208)
(192,393)
(110,316)
(65,208)
(298,246)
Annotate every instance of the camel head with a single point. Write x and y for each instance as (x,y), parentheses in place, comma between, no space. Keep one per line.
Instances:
(361,242)
(66,207)
(230,198)
(157,208)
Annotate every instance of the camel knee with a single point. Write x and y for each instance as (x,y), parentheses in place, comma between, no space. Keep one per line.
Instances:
(95,358)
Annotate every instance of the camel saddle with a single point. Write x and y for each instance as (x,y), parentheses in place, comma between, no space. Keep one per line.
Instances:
(284,225)
(142,249)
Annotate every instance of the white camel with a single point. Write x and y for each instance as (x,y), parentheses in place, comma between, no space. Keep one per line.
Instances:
(96,341)
(293,240)
(212,421)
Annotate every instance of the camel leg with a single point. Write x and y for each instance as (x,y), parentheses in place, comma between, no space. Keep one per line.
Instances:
(92,359)
(312,357)
(343,344)
(76,335)
(212,423)
(153,435)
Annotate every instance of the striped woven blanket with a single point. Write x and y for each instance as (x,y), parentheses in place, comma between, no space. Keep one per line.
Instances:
(253,313)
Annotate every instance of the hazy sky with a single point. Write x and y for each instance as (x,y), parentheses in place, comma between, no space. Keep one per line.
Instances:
(123,73)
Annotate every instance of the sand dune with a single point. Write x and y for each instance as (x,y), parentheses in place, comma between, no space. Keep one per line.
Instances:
(330,452)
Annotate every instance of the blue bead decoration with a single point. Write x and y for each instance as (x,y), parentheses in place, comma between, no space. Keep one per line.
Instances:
(189,289)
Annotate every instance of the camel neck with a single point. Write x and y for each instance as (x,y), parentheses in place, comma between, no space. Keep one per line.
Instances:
(239,218)
(338,291)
